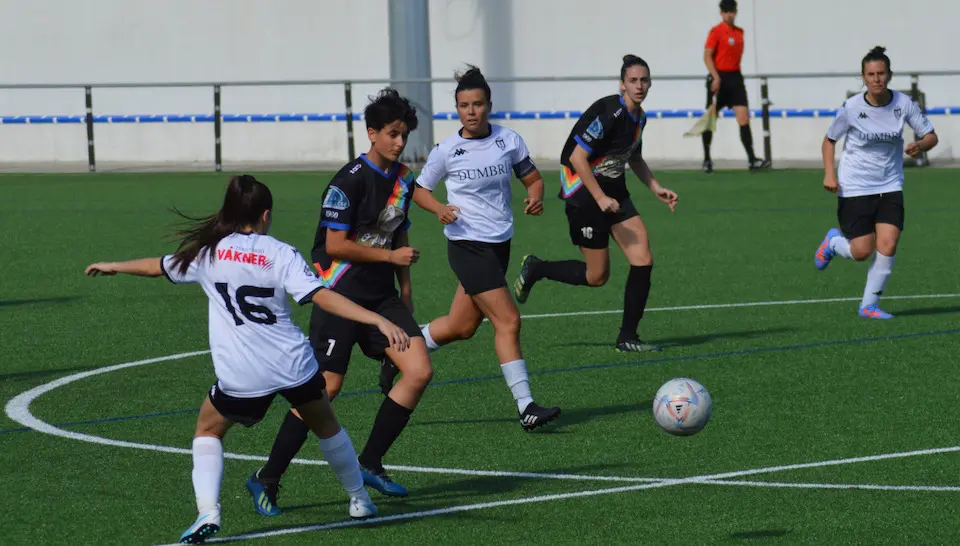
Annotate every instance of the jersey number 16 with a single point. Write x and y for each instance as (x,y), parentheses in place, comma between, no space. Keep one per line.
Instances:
(251,311)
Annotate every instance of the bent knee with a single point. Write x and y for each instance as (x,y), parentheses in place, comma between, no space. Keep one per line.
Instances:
(465,331)
(860,254)
(598,278)
(420,375)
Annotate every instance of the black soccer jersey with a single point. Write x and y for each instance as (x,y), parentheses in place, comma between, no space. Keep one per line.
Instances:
(371,206)
(611,136)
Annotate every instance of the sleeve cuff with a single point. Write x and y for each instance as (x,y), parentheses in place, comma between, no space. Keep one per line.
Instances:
(163,268)
(306,299)
(583,144)
(335,225)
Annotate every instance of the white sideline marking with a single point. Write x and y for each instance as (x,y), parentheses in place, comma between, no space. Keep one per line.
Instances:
(708,479)
(873,487)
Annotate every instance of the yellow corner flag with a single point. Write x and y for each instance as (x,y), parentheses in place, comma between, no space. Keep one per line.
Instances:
(707,122)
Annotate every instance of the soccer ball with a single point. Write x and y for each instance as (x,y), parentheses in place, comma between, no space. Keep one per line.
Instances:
(682,406)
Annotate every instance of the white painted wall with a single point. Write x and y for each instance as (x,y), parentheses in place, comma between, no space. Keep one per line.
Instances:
(62,41)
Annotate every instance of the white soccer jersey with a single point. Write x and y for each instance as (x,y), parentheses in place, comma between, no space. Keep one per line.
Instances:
(872,158)
(478,174)
(255,346)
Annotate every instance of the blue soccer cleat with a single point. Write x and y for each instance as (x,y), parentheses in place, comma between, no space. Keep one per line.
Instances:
(874,312)
(264,495)
(205,527)
(821,259)
(382,483)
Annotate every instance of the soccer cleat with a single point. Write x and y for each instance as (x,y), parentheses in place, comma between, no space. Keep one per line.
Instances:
(382,483)
(759,164)
(523,284)
(874,312)
(264,493)
(821,259)
(205,527)
(362,508)
(535,416)
(636,346)
(388,372)
(707,166)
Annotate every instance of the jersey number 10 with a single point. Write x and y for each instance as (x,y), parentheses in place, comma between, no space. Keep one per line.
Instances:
(251,311)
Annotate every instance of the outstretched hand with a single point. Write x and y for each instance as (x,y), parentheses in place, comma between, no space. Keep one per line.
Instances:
(100,268)
(669,197)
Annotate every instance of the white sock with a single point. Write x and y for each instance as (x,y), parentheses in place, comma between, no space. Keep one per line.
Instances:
(841,246)
(880,269)
(207,473)
(515,373)
(342,457)
(431,344)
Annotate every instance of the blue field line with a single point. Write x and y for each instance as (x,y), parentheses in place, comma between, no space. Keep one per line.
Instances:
(701,356)
(314,117)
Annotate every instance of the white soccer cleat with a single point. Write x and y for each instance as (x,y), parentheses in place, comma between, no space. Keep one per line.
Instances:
(362,508)
(207,525)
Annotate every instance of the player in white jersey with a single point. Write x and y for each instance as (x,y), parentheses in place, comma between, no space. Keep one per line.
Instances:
(870,182)
(257,350)
(477,164)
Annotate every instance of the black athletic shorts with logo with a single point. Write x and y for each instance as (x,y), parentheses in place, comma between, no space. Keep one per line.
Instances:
(250,411)
(859,215)
(333,337)
(480,267)
(590,226)
(732,92)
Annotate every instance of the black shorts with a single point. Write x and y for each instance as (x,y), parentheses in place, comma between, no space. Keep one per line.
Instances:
(732,91)
(333,337)
(590,227)
(480,267)
(250,411)
(859,216)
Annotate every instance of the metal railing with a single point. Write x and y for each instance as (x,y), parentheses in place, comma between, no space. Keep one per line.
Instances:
(348,96)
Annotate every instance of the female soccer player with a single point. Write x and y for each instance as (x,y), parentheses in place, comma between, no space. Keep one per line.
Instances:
(257,350)
(870,183)
(360,245)
(606,138)
(476,164)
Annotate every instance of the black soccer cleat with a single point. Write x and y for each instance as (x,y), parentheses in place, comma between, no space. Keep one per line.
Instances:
(388,373)
(524,282)
(535,416)
(636,346)
(707,166)
(759,164)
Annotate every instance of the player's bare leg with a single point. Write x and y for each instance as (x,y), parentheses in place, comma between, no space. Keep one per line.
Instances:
(631,236)
(394,414)
(498,306)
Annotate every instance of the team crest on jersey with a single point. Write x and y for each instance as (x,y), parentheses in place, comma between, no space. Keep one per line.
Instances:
(595,129)
(897,112)
(336,199)
(730,40)
(501,144)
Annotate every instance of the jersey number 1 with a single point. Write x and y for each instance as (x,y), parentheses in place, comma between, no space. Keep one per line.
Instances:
(263,315)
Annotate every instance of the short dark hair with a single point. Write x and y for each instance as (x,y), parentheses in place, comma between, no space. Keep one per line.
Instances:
(631,60)
(875,54)
(472,78)
(728,6)
(387,107)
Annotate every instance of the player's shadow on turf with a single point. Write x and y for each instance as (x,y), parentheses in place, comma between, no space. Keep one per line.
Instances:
(445,493)
(682,341)
(34,301)
(572,416)
(920,311)
(764,533)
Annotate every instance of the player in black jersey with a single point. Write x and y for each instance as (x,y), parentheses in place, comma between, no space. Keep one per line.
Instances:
(360,245)
(606,138)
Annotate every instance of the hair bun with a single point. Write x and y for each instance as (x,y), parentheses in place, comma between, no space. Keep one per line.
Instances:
(879,50)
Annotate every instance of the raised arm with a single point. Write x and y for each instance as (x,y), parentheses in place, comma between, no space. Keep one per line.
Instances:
(141,267)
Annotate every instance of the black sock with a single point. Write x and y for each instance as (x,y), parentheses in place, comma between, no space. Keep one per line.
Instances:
(635,300)
(567,271)
(290,438)
(746,137)
(707,138)
(390,421)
